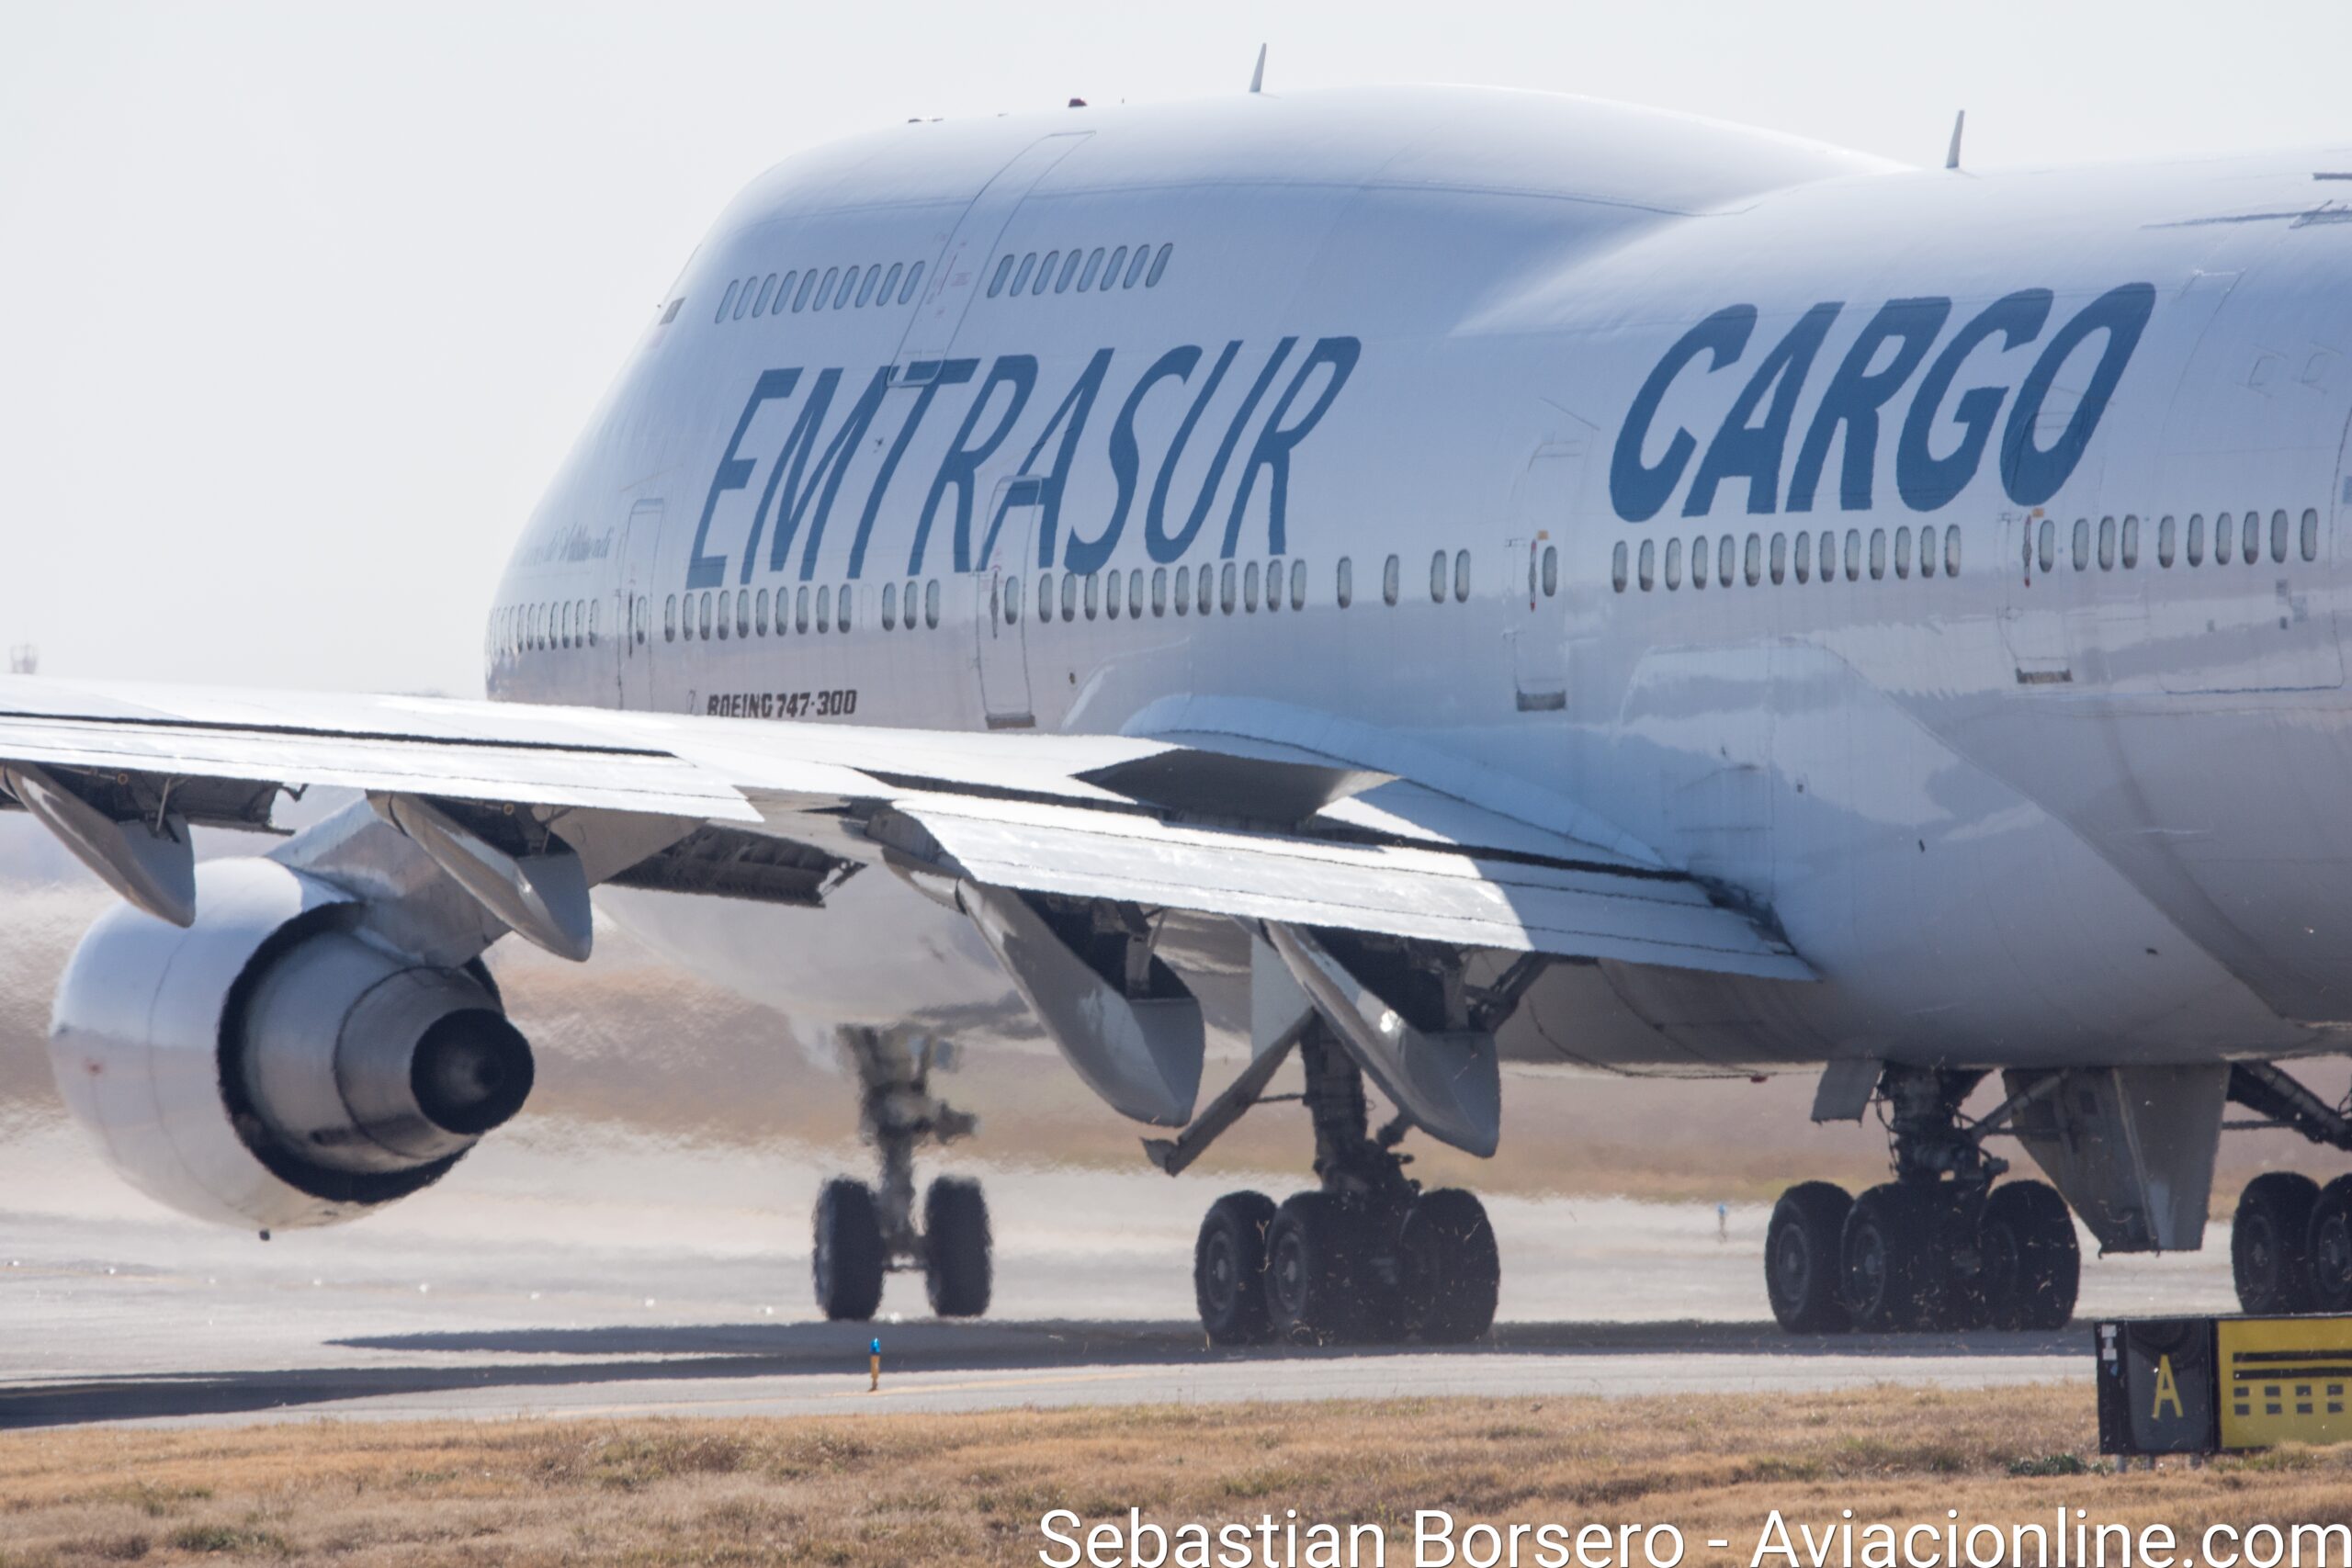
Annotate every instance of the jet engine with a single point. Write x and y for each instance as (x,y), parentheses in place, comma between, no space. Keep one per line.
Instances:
(276,1063)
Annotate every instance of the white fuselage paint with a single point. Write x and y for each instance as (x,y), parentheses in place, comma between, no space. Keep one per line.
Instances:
(2011,815)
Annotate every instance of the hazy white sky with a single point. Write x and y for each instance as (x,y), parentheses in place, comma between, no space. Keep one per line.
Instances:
(309,299)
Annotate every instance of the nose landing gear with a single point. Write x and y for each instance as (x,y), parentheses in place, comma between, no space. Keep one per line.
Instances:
(862,1231)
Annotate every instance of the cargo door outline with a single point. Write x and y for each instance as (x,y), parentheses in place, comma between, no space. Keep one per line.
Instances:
(999,623)
(956,271)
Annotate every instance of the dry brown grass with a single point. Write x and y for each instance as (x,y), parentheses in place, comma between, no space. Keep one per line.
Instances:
(969,1489)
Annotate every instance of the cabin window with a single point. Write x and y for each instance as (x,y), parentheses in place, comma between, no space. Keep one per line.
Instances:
(670,618)
(1753,564)
(1388,583)
(1803,565)
(1158,265)
(2166,536)
(1551,571)
(2196,545)
(726,614)
(1021,280)
(1135,594)
(2251,550)
(1069,272)
(2081,538)
(702,617)
(1903,552)
(1878,554)
(1111,271)
(1298,585)
(824,609)
(2225,538)
(1437,578)
(1926,552)
(808,286)
(2131,542)
(1094,265)
(929,594)
(760,305)
(743,613)
(1273,586)
(865,289)
(889,606)
(1012,600)
(1617,573)
(2106,544)
(1183,590)
(783,293)
(1649,565)
(727,300)
(1093,595)
(842,607)
(1207,591)
(1045,272)
(1134,268)
(911,591)
(1249,586)
(1227,586)
(2311,534)
(1070,596)
(1779,558)
(1110,598)
(890,285)
(849,286)
(1674,563)
(1698,561)
(801,610)
(1344,587)
(2047,545)
(1160,591)
(1853,555)
(914,279)
(2278,536)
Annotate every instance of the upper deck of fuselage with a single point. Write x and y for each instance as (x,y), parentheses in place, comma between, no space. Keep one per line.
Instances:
(1468,140)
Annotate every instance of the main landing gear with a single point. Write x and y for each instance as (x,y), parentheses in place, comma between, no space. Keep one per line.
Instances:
(1365,1257)
(1940,1247)
(2290,1242)
(866,1231)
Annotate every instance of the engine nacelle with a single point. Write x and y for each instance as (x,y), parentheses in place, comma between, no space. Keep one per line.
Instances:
(273,1065)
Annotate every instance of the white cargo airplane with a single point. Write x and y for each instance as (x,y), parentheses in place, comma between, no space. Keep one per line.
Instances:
(1409,580)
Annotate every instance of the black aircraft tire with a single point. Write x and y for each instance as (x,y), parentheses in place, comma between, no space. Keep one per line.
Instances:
(1890,1259)
(2269,1242)
(2327,1248)
(846,1260)
(1311,1297)
(2034,1265)
(1230,1269)
(956,1245)
(1801,1259)
(1452,1271)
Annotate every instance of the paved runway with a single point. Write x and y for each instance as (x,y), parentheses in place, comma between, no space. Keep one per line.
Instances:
(573,1271)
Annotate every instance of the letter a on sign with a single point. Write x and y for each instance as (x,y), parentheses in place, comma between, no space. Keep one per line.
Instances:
(2167,1391)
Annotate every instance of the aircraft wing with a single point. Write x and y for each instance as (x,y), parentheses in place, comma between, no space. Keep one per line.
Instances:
(518,803)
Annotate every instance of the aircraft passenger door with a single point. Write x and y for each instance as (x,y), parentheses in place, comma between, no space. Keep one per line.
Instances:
(632,605)
(1006,540)
(956,272)
(1535,551)
(2033,606)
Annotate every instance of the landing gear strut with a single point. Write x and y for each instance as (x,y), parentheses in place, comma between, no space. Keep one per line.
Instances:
(1938,1247)
(1365,1255)
(862,1231)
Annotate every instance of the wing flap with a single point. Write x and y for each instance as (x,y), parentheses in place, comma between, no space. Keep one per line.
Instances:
(1564,909)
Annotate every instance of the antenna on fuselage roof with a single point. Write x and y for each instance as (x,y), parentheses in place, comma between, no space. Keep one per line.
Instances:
(1258,77)
(1952,158)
